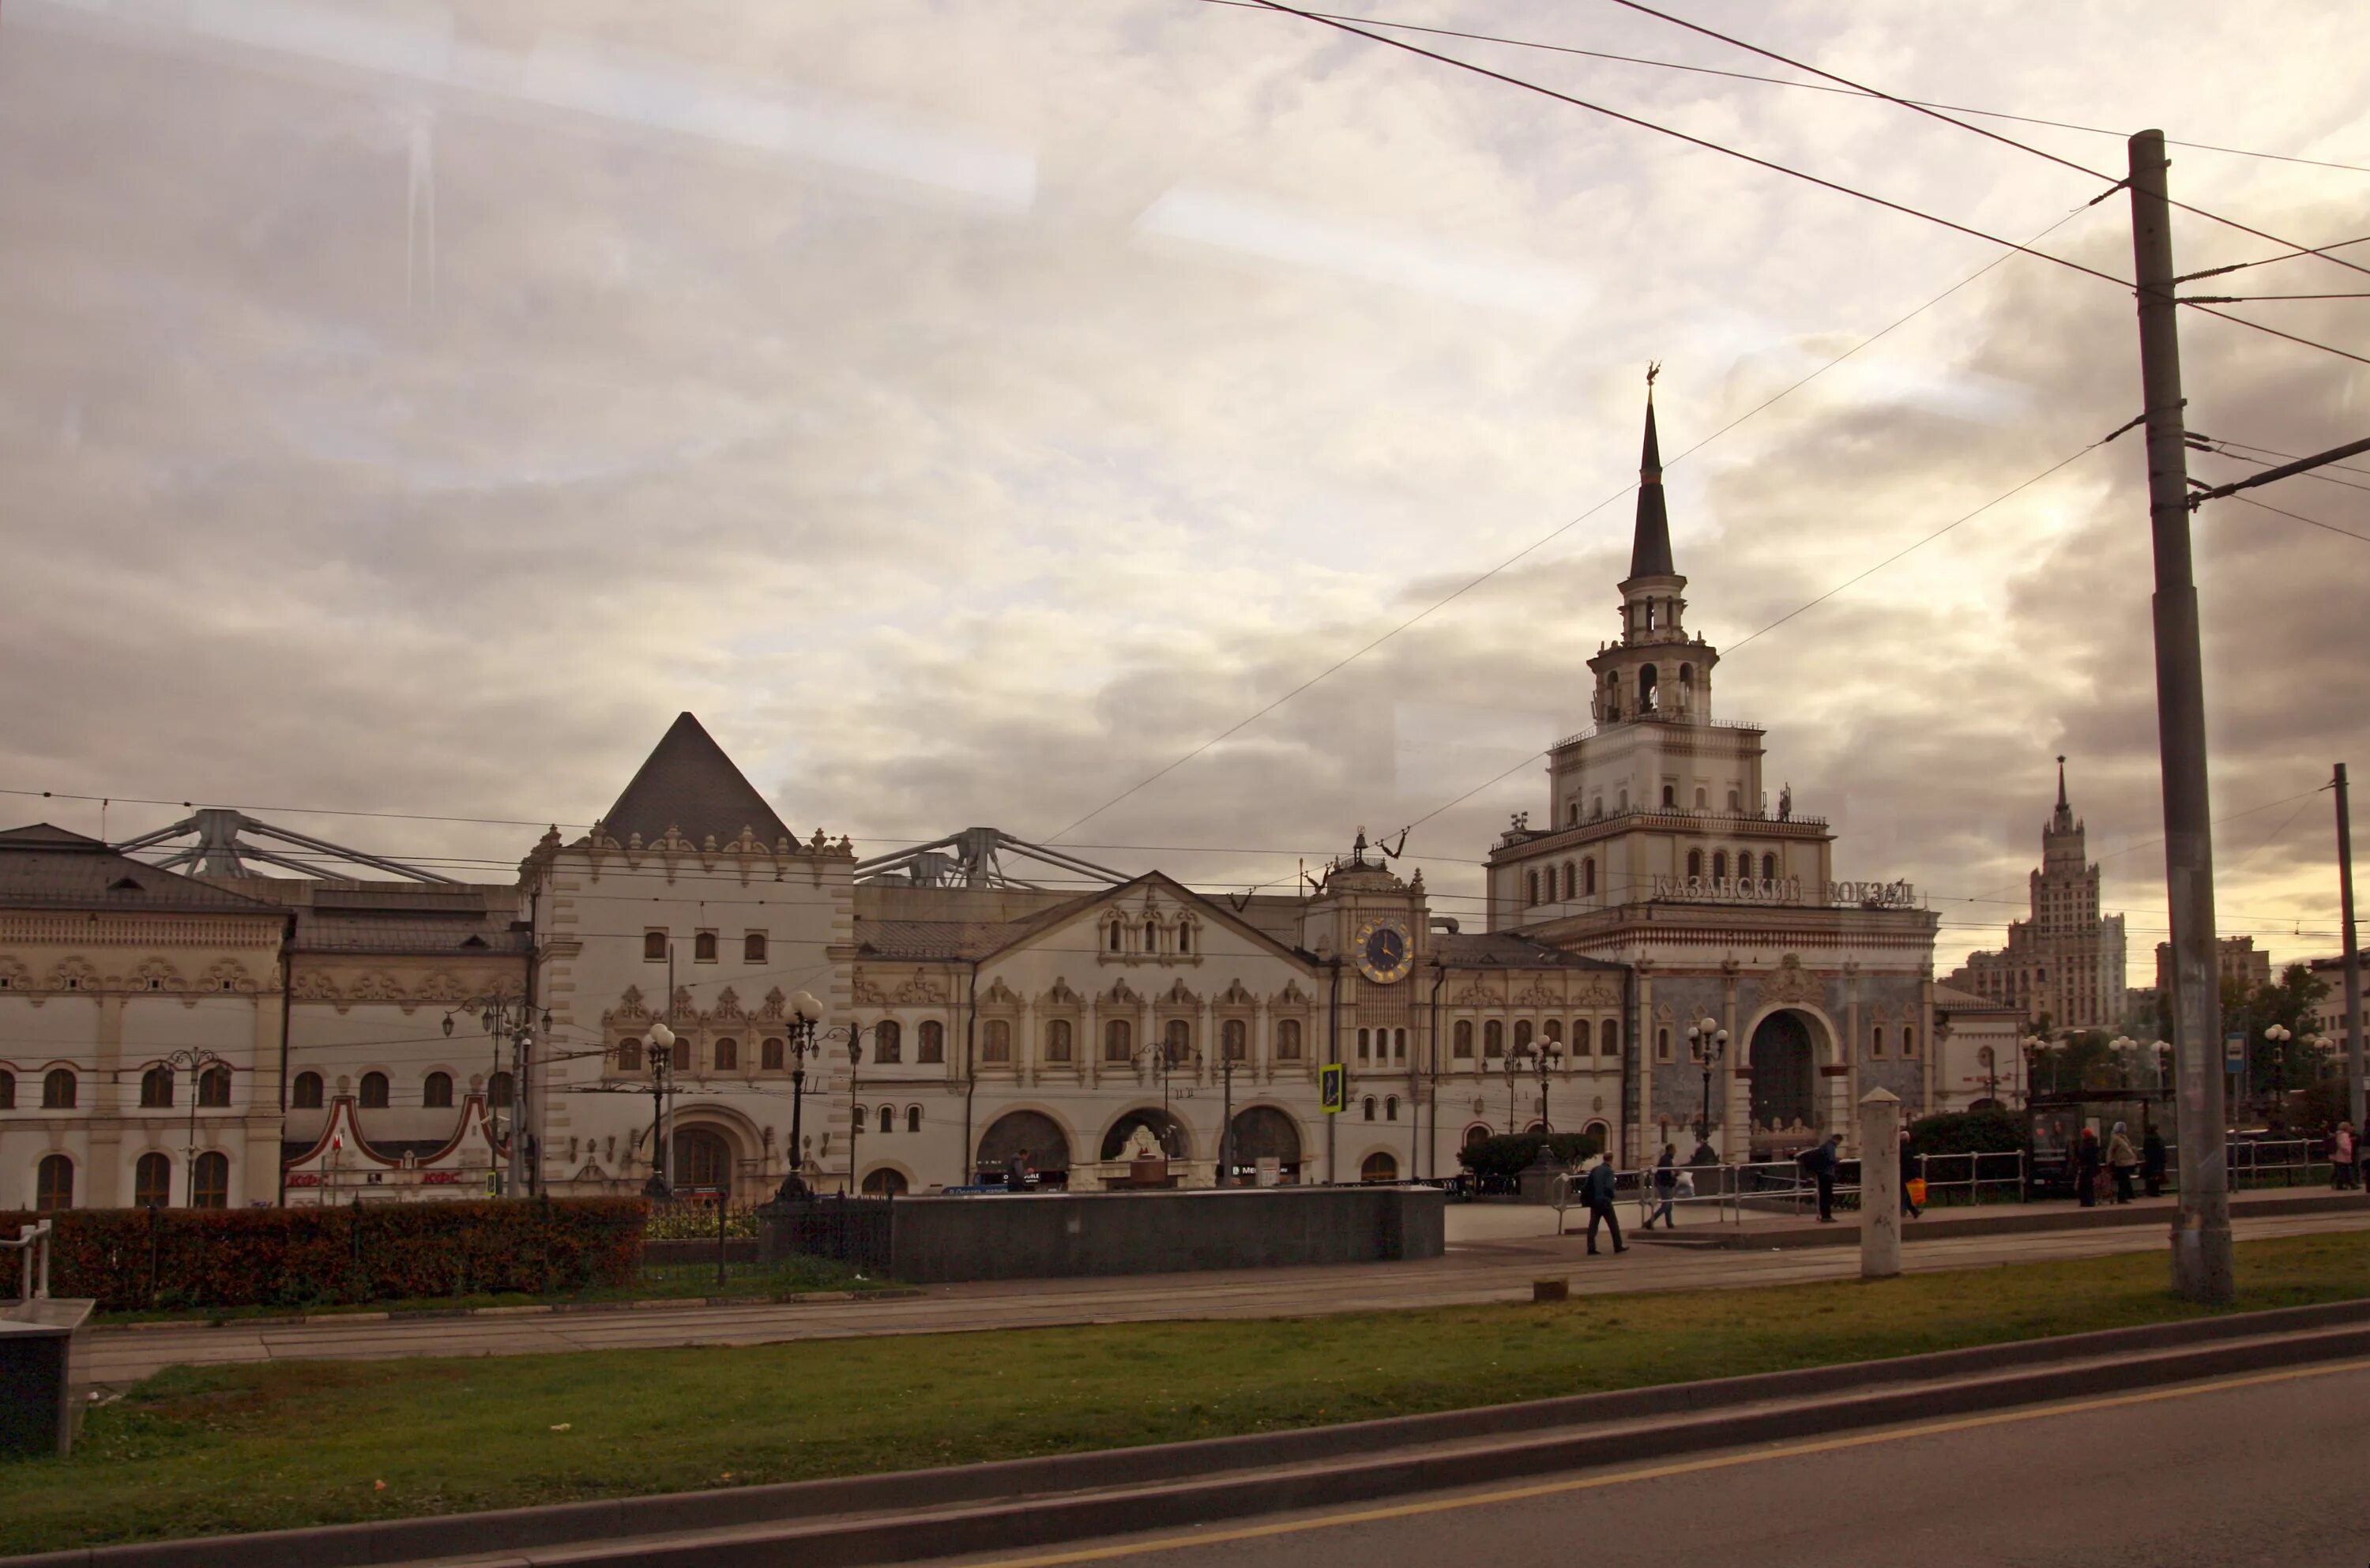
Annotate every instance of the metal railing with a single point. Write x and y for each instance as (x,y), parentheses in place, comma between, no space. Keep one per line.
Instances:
(32,1244)
(851,1230)
(1957,1180)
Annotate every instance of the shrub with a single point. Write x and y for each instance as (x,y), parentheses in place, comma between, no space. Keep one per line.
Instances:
(133,1258)
(1997,1131)
(1508,1153)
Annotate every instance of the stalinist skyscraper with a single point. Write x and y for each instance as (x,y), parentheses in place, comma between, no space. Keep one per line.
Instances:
(2063,961)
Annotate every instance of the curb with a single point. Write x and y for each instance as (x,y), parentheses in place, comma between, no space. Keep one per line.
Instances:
(2107,1218)
(1019,1502)
(431,1314)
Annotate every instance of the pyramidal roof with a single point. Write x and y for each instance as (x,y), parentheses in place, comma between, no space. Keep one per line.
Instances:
(1649,551)
(687,783)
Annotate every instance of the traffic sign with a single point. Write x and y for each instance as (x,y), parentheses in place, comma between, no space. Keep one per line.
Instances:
(1333,1088)
(2234,1053)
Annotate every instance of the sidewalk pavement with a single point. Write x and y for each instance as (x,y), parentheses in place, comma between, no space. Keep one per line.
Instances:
(1489,1260)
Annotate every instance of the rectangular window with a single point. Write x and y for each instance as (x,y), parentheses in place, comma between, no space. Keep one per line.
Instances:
(1287,1040)
(752,947)
(703,948)
(654,946)
(1057,1040)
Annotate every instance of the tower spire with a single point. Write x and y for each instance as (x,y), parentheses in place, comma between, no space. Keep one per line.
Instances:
(1650,550)
(2063,821)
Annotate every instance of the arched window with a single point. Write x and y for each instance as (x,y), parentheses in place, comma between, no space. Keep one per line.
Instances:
(1534,886)
(1648,697)
(1661,1044)
(654,946)
(728,1055)
(1115,936)
(1365,1038)
(1608,1038)
(771,1055)
(681,1054)
(1378,1167)
(887,1118)
(888,1041)
(1588,877)
(1522,1035)
(209,1180)
(152,1182)
(1571,880)
(53,1182)
(306,1092)
(1670,797)
(1287,1040)
(752,947)
(1909,1040)
(884,1181)
(859,1118)
(155,1088)
(1057,1039)
(1695,863)
(1390,1108)
(1235,1039)
(1477,1133)
(373,1091)
(995,1042)
(1701,798)
(1179,1044)
(629,1056)
(1184,938)
(1718,865)
(913,1118)
(436,1091)
(1463,1049)
(1876,1042)
(1370,1107)
(58,1089)
(1493,1039)
(703,947)
(497,1091)
(1398,1044)
(1152,936)
(1769,868)
(213,1088)
(1734,803)
(931,1046)
(1744,863)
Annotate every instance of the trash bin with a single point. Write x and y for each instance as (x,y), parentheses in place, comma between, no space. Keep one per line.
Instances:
(43,1383)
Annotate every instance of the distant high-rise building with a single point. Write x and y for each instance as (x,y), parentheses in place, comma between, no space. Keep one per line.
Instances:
(2064,961)
(2234,957)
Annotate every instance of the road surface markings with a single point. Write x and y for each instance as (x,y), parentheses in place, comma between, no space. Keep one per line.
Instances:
(1657,1472)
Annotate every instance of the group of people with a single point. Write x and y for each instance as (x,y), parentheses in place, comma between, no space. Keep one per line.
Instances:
(2095,1164)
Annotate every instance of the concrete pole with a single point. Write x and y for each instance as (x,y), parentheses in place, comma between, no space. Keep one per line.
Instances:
(2352,956)
(1879,1184)
(2202,1261)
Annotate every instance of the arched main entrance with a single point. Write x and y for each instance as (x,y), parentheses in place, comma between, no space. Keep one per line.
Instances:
(1166,1130)
(701,1158)
(1263,1132)
(1785,1079)
(1029,1132)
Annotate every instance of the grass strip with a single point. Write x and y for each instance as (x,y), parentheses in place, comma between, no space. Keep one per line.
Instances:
(203,1450)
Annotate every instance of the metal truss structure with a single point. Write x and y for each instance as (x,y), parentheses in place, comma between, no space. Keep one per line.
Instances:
(223,840)
(974,857)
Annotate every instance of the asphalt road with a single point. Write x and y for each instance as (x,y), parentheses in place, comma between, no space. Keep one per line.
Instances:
(1483,1271)
(2268,1469)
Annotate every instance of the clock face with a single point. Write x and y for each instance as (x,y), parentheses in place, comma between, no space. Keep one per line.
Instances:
(1383,953)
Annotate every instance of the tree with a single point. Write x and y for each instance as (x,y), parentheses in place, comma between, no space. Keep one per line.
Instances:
(1509,1154)
(1996,1131)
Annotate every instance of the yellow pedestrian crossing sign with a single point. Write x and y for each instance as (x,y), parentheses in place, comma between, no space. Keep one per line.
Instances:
(1333,1088)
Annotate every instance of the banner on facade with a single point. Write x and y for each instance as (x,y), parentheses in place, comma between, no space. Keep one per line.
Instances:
(1333,1088)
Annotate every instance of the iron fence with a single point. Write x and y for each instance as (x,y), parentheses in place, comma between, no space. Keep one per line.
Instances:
(852,1231)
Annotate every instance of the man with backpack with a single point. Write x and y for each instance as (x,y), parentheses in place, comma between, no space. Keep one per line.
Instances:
(1822,1161)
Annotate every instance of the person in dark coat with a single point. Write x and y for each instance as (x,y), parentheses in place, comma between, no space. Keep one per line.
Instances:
(1666,1184)
(2087,1162)
(1822,1161)
(1909,1173)
(2152,1154)
(1596,1191)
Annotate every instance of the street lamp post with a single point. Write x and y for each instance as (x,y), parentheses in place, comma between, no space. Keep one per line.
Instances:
(1550,1058)
(1225,1113)
(507,1018)
(1516,1061)
(806,1018)
(1709,1040)
(195,1063)
(661,1054)
(2279,1034)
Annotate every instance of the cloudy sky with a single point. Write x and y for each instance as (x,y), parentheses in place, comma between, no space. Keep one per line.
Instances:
(969,408)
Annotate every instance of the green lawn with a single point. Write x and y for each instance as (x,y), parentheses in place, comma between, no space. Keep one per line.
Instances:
(253,1447)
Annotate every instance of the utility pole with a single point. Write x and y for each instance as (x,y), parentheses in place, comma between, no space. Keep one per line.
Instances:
(522,1054)
(2203,1267)
(2353,953)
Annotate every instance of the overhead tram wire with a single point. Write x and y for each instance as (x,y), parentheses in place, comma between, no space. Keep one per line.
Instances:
(2113,182)
(2300,517)
(1775,398)
(1323,20)
(1789,81)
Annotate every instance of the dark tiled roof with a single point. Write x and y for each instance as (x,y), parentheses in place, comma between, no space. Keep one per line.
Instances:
(51,867)
(933,941)
(688,784)
(1505,950)
(405,933)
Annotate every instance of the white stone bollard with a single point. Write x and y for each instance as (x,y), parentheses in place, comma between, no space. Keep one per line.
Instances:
(1879,1184)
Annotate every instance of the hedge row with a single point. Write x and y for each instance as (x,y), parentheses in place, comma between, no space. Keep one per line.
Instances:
(1509,1154)
(129,1260)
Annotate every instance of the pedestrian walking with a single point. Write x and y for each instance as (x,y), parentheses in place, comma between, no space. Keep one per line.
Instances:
(1596,1191)
(2121,1160)
(1666,1182)
(1913,1184)
(2152,1156)
(1822,1161)
(2087,1160)
(2343,1171)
